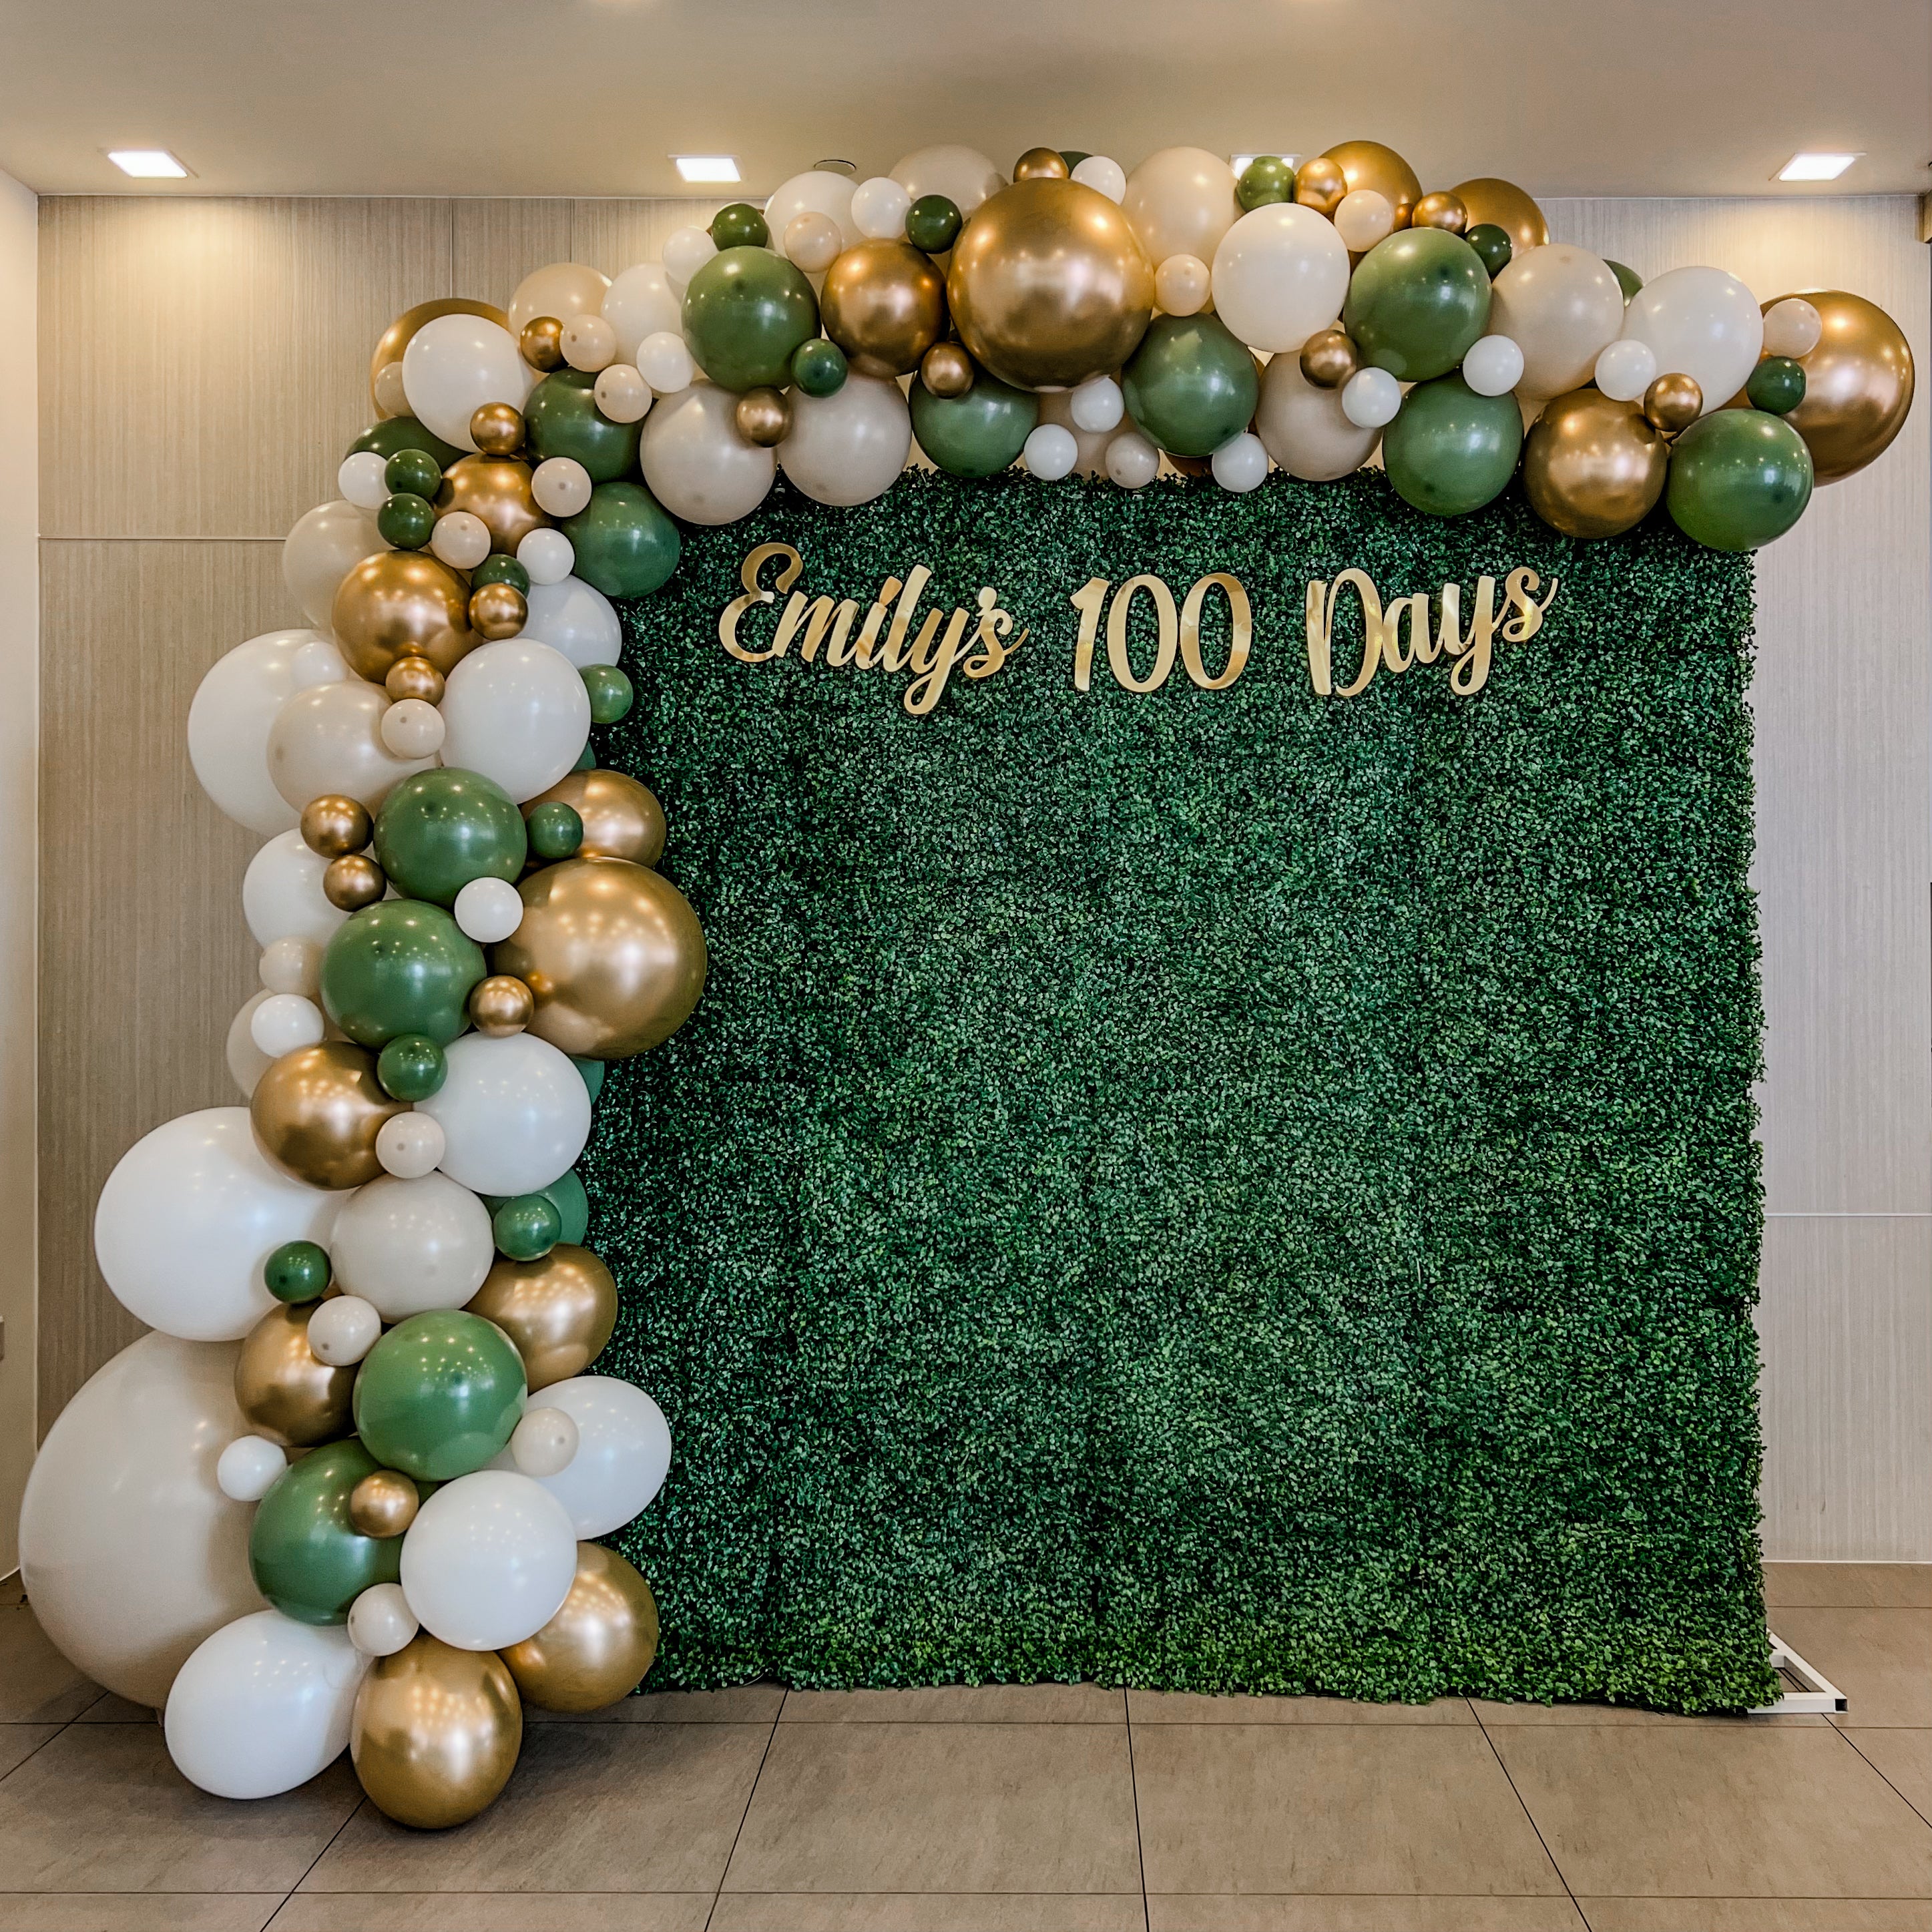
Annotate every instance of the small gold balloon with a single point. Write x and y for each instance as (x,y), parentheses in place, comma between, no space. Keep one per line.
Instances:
(1672,403)
(284,1392)
(764,416)
(353,881)
(397,336)
(497,429)
(317,1111)
(500,1006)
(598,1646)
(1491,203)
(1321,185)
(1329,358)
(497,489)
(334,824)
(1369,164)
(540,344)
(1440,210)
(884,304)
(559,1310)
(385,1502)
(1857,384)
(946,370)
(612,952)
(399,603)
(498,610)
(414,677)
(622,819)
(435,1732)
(1593,467)
(1041,164)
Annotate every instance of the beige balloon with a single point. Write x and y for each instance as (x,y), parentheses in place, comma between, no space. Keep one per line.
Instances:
(1562,306)
(1181,201)
(562,289)
(1302,426)
(963,175)
(329,738)
(696,464)
(1056,406)
(324,547)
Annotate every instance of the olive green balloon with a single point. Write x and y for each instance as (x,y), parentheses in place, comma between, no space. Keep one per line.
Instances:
(1777,385)
(979,433)
(1450,451)
(1416,302)
(819,367)
(565,1194)
(1738,478)
(611,691)
(1493,247)
(933,223)
(1266,179)
(439,829)
(400,966)
(414,471)
(406,520)
(556,830)
(746,313)
(438,1396)
(1191,385)
(297,1271)
(412,1067)
(1628,279)
(526,1227)
(626,545)
(395,433)
(591,1073)
(739,225)
(561,417)
(306,1558)
(499,567)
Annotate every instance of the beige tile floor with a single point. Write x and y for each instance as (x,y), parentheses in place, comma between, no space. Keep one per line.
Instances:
(1049,1808)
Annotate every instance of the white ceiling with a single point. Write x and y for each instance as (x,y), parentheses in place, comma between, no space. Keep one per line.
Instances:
(590,97)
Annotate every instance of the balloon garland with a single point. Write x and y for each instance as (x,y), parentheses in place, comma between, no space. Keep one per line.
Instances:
(367,1403)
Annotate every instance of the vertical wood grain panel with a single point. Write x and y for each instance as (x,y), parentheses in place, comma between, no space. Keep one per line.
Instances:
(614,236)
(498,243)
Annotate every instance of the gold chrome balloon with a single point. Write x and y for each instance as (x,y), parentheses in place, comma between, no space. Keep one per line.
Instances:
(497,429)
(395,338)
(285,1392)
(1672,403)
(946,370)
(497,489)
(1500,204)
(435,1732)
(414,677)
(1329,358)
(316,1112)
(500,1006)
(498,610)
(1049,284)
(1041,164)
(400,604)
(1594,467)
(1440,210)
(884,304)
(1320,184)
(1857,384)
(598,1646)
(540,344)
(334,823)
(1369,164)
(612,952)
(385,1502)
(353,881)
(621,819)
(764,416)
(559,1310)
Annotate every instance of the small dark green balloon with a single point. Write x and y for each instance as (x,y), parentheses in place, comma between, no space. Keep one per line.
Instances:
(1073,157)
(1266,179)
(611,693)
(1777,385)
(413,472)
(439,829)
(1628,279)
(566,1194)
(556,830)
(747,312)
(399,966)
(500,567)
(740,226)
(561,417)
(592,1072)
(307,1559)
(586,759)
(438,1396)
(1493,247)
(933,223)
(406,521)
(1416,302)
(297,1271)
(1191,385)
(979,433)
(626,545)
(1450,451)
(819,367)
(1738,478)
(411,1066)
(395,433)
(528,1227)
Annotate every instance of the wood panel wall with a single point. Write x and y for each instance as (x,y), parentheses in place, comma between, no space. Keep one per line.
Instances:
(200,376)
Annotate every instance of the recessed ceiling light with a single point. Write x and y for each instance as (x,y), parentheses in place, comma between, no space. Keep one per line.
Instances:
(1240,163)
(147,163)
(707,167)
(1815,167)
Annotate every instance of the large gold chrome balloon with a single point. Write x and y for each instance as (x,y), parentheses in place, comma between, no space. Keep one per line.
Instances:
(1857,384)
(1369,164)
(317,1111)
(612,952)
(497,489)
(883,304)
(285,1392)
(402,604)
(1594,467)
(1501,204)
(435,1732)
(1049,284)
(395,338)
(621,819)
(560,1311)
(598,1646)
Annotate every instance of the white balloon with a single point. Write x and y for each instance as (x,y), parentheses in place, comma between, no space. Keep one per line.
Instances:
(1051,452)
(380,1621)
(559,289)
(1371,398)
(489,1560)
(284,1021)
(329,739)
(187,1217)
(963,175)
(343,1330)
(685,251)
(1056,406)
(409,1146)
(1280,274)
(589,343)
(324,547)
(1304,428)
(543,1441)
(1103,176)
(1097,404)
(848,447)
(129,1551)
(818,191)
(1492,366)
(623,1453)
(318,661)
(1241,463)
(1793,327)
(695,462)
(1560,305)
(1700,322)
(360,479)
(561,485)
(1625,369)
(413,727)
(247,1470)
(1132,461)
(246,1062)
(282,896)
(408,1246)
(263,1705)
(228,725)
(455,364)
(517,713)
(640,303)
(488,910)
(663,361)
(461,539)
(573,617)
(621,393)
(515,1112)
(1362,219)
(549,557)
(879,208)
(291,965)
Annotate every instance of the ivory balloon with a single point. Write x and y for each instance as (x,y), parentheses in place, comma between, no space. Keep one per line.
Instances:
(129,1551)
(1369,164)
(1500,204)
(489,1559)
(1280,274)
(282,895)
(1103,174)
(317,1111)
(1058,406)
(848,447)
(696,464)
(562,289)
(963,175)
(517,712)
(288,1394)
(321,550)
(407,1247)
(515,1113)
(380,1620)
(1859,381)
(402,604)
(246,1062)
(572,617)
(622,819)
(1181,201)
(1592,466)
(1562,306)
(560,1311)
(1792,326)
(1182,285)
(623,1453)
(548,555)
(812,241)
(235,704)
(1304,428)
(818,191)
(435,1732)
(396,339)
(329,739)
(455,364)
(1699,323)
(598,1646)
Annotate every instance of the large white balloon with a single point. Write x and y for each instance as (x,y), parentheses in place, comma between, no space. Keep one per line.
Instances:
(515,1113)
(282,895)
(848,447)
(1305,428)
(518,712)
(623,1452)
(1560,305)
(1700,322)
(963,175)
(246,1062)
(1281,272)
(187,1217)
(575,618)
(697,465)
(489,1560)
(407,1247)
(818,191)
(561,289)
(454,365)
(324,547)
(1181,201)
(264,1704)
(329,739)
(228,727)
(129,1551)
(639,302)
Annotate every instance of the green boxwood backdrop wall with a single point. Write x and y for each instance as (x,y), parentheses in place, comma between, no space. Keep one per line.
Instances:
(1219,1190)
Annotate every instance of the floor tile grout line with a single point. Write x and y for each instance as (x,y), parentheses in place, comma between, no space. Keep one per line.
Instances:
(751,1796)
(1562,1878)
(1917,1811)
(1134,1788)
(354,1812)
